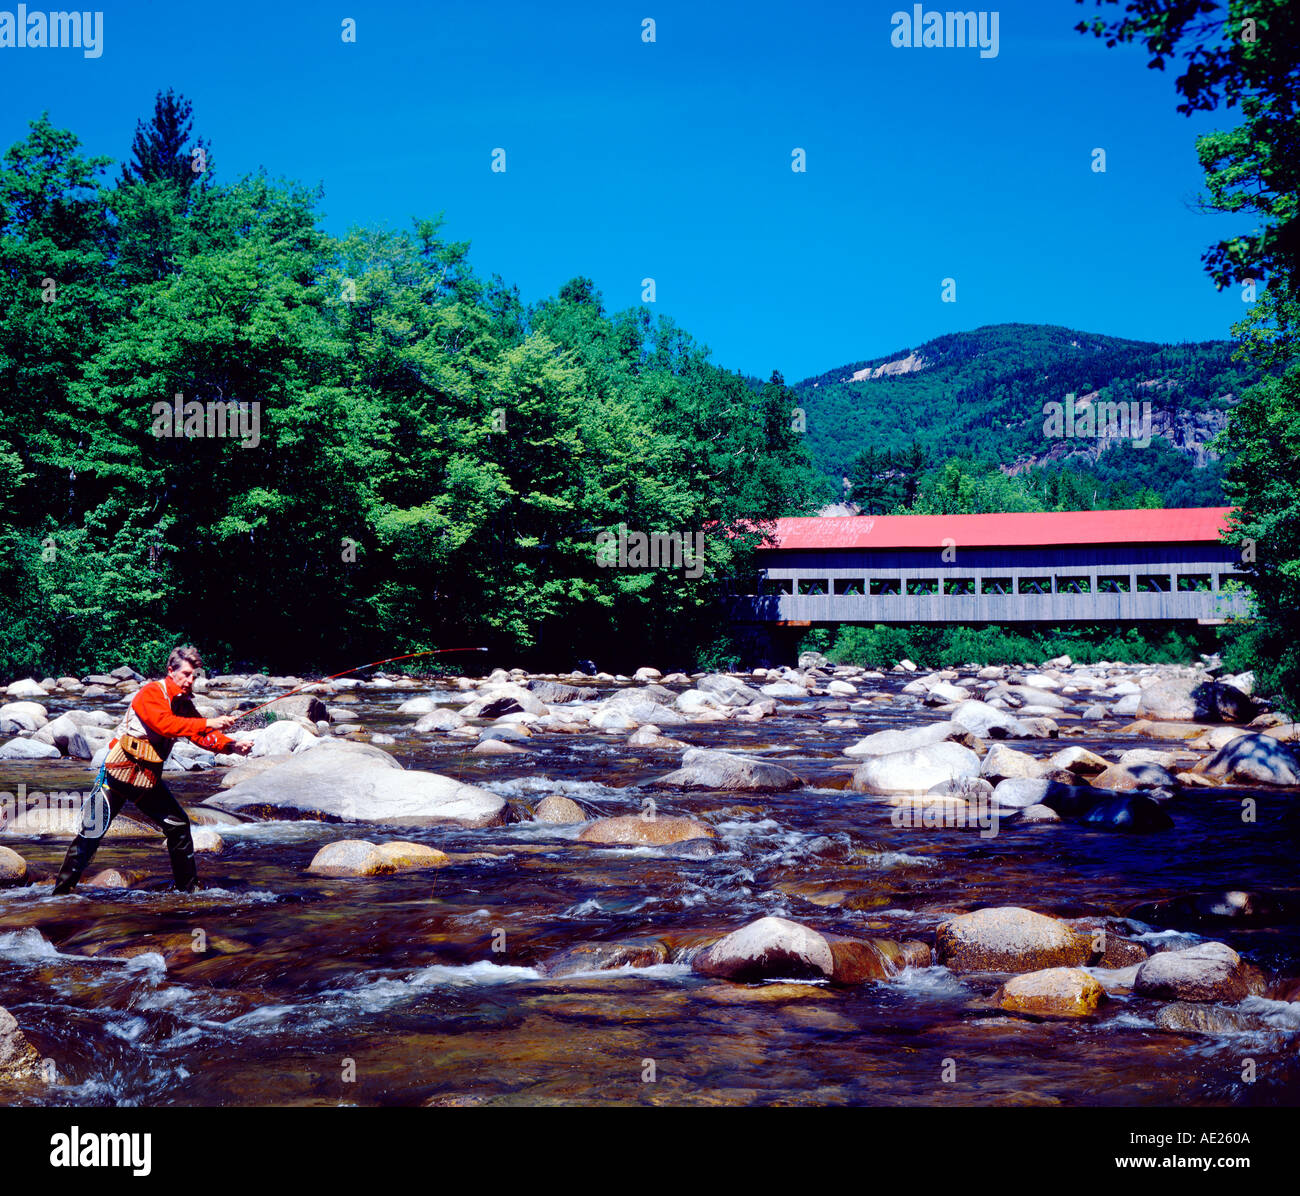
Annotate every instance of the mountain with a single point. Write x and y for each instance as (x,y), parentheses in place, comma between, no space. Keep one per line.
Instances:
(984,394)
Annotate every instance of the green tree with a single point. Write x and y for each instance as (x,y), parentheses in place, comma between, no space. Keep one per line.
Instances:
(1250,57)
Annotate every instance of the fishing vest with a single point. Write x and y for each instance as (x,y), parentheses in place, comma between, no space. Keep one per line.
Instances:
(137,754)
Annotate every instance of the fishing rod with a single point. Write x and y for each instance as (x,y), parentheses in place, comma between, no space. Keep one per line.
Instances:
(355,668)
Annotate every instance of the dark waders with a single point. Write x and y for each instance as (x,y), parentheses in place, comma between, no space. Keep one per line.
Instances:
(157,804)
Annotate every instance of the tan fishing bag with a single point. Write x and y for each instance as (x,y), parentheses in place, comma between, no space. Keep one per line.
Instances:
(133,760)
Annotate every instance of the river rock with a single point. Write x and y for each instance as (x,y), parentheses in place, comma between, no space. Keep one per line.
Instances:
(703,768)
(1187,698)
(638,830)
(648,736)
(305,706)
(943,694)
(335,780)
(1128,812)
(553,693)
(1079,760)
(1122,777)
(767,948)
(13,868)
(350,857)
(64,821)
(281,736)
(1053,992)
(29,687)
(498,747)
(731,691)
(988,722)
(28,749)
(603,957)
(883,743)
(915,771)
(207,841)
(558,809)
(1254,759)
(1205,972)
(1002,762)
(1185,1017)
(1038,813)
(785,689)
(1009,939)
(439,720)
(19,1060)
(409,857)
(695,700)
(636,706)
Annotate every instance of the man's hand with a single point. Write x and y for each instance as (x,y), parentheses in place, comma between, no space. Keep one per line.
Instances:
(241,749)
(220,724)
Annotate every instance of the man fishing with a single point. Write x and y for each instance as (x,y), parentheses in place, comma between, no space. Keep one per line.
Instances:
(159,714)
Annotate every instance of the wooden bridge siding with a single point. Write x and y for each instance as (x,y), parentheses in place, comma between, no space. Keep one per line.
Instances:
(978,564)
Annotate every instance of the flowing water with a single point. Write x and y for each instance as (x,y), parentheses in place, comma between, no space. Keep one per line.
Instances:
(272,986)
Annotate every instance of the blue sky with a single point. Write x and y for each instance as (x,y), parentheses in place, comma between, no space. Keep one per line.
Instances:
(671,160)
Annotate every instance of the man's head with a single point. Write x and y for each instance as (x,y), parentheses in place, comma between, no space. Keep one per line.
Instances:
(183,666)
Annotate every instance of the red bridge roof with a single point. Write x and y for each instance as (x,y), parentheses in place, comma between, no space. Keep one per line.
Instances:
(1189,524)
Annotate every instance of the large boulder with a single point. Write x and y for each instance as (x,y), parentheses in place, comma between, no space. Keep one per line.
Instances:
(301,706)
(883,743)
(13,868)
(915,771)
(558,809)
(987,722)
(1009,939)
(335,780)
(642,707)
(1127,812)
(702,768)
(1135,774)
(1002,762)
(553,693)
(28,749)
(29,687)
(1190,698)
(283,735)
(1205,972)
(1053,992)
(656,830)
(731,690)
(777,947)
(1254,759)
(439,720)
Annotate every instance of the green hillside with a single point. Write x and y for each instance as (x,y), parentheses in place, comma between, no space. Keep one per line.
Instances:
(981,395)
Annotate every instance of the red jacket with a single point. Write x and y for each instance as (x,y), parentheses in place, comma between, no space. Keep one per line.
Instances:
(176,718)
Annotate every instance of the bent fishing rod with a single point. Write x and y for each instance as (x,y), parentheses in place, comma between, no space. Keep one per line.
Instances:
(354,669)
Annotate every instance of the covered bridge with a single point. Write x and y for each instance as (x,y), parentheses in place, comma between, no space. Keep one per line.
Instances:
(1059,567)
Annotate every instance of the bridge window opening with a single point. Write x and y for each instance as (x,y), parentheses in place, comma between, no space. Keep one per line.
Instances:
(1034,585)
(1074,585)
(854,586)
(922,585)
(886,586)
(1113,585)
(959,585)
(1193,582)
(996,585)
(1236,579)
(1154,583)
(814,585)
(775,586)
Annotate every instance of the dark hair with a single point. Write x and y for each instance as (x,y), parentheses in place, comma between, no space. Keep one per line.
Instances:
(186,652)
